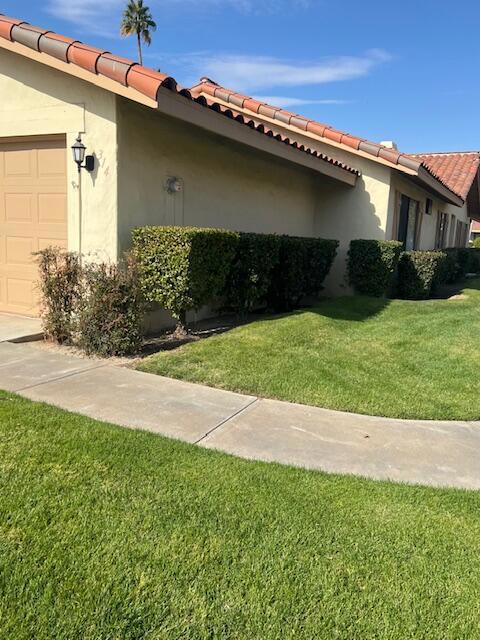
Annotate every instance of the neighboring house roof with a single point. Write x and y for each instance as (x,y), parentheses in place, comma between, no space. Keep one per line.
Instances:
(143,79)
(476,226)
(458,170)
(326,133)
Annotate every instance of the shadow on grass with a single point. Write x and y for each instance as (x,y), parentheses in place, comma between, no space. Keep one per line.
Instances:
(446,291)
(351,308)
(355,308)
(347,308)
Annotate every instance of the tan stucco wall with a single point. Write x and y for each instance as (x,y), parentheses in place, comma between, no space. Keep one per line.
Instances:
(429,222)
(345,213)
(225,184)
(229,186)
(348,214)
(36,101)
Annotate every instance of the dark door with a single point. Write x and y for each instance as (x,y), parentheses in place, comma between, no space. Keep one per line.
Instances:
(403,222)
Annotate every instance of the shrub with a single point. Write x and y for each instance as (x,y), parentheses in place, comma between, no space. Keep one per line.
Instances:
(183,268)
(372,266)
(463,261)
(60,275)
(302,267)
(457,264)
(419,272)
(251,271)
(110,309)
(474,261)
(476,243)
(451,267)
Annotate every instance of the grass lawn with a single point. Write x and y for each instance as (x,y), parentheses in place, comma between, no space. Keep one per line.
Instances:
(400,359)
(107,533)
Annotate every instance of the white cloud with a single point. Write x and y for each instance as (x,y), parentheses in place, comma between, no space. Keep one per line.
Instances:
(102,16)
(93,15)
(253,73)
(288,101)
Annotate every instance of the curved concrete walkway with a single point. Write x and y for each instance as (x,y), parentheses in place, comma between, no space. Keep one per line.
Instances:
(423,452)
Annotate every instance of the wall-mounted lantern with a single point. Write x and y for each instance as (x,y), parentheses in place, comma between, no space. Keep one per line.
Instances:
(78,150)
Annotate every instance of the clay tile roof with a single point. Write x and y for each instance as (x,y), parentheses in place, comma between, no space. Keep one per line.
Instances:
(457,170)
(145,80)
(373,149)
(475,226)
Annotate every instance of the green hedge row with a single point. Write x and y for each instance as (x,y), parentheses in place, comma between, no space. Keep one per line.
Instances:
(184,268)
(380,268)
(372,266)
(419,273)
(303,265)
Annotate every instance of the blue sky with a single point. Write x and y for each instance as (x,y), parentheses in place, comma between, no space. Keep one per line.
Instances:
(405,71)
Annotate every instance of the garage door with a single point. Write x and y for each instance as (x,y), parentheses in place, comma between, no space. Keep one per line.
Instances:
(33,215)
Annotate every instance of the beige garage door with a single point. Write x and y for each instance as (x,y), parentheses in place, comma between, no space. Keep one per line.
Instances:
(33,215)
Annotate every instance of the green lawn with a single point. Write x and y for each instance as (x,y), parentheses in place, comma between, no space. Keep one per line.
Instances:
(396,358)
(109,534)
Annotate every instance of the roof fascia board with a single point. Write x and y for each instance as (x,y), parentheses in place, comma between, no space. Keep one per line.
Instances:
(439,189)
(431,183)
(175,106)
(473,199)
(74,70)
(307,134)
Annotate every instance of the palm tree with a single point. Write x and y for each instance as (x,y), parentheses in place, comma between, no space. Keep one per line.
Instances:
(137,19)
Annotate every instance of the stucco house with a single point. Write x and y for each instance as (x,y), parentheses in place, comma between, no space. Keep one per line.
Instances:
(205,156)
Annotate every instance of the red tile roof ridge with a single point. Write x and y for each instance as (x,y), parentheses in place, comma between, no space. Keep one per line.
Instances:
(280,136)
(130,74)
(446,153)
(456,169)
(374,149)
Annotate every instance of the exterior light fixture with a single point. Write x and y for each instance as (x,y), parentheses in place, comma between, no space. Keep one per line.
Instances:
(78,150)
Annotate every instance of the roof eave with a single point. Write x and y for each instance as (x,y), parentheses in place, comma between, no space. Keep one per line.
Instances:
(177,106)
(473,199)
(437,188)
(189,111)
(374,152)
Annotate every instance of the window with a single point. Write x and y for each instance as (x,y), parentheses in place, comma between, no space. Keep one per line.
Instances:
(429,206)
(442,229)
(409,223)
(451,235)
(458,234)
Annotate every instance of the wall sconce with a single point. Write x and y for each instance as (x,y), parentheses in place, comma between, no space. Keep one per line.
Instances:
(173,185)
(78,150)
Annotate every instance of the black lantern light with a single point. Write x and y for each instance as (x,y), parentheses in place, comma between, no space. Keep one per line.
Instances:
(78,150)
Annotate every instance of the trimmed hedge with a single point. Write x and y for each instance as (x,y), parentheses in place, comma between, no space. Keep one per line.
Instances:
(372,266)
(457,264)
(302,267)
(183,268)
(474,262)
(251,271)
(419,273)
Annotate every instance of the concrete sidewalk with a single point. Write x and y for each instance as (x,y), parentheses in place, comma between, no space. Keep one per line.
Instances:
(19,328)
(424,452)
